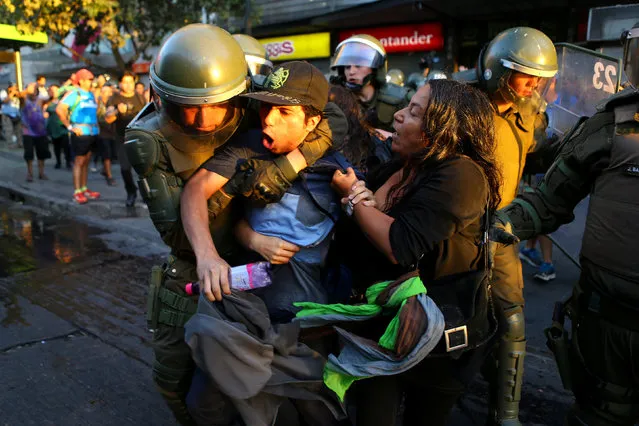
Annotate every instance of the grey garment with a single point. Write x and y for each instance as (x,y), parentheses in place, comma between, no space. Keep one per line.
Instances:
(256,364)
(363,358)
(293,282)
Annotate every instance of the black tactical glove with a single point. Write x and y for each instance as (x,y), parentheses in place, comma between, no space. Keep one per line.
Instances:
(239,184)
(317,142)
(500,232)
(267,181)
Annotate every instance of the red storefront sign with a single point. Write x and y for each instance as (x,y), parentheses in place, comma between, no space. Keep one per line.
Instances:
(404,38)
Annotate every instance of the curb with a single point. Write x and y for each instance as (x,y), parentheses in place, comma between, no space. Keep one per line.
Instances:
(54,204)
(104,209)
(101,215)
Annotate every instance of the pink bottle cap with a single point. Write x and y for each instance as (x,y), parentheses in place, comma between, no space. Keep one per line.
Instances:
(189,289)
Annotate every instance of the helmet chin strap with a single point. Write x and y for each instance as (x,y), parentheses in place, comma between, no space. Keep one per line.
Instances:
(358,87)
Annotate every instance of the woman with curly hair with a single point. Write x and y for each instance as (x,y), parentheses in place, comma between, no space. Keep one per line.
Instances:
(427,210)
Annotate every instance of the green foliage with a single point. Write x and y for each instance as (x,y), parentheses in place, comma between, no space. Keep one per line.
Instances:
(144,22)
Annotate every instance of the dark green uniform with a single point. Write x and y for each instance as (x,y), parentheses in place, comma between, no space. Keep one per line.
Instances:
(379,112)
(163,169)
(528,51)
(600,159)
(197,66)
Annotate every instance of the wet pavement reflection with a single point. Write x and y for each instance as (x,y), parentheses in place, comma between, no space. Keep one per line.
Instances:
(29,241)
(62,265)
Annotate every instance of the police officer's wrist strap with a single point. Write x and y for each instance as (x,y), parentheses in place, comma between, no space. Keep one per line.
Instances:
(285,166)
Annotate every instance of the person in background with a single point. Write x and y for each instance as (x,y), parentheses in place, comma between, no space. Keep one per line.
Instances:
(70,84)
(11,123)
(78,112)
(361,64)
(106,140)
(98,84)
(122,108)
(34,132)
(395,76)
(43,93)
(139,88)
(57,132)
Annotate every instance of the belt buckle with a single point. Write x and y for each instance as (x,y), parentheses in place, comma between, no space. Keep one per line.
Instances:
(454,336)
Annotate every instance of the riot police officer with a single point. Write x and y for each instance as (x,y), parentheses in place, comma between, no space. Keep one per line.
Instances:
(361,65)
(395,76)
(256,57)
(601,158)
(196,77)
(512,70)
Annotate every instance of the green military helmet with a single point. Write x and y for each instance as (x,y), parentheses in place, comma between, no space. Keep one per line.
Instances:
(519,49)
(395,76)
(255,54)
(361,50)
(415,80)
(199,64)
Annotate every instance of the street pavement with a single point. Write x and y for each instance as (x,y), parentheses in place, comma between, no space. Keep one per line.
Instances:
(74,348)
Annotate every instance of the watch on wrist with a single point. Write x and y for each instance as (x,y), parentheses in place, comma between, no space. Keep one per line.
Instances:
(69,127)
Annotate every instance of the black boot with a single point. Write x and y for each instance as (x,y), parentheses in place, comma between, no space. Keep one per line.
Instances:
(130,199)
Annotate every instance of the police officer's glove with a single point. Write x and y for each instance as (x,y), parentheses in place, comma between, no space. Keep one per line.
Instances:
(267,181)
(239,184)
(317,143)
(500,232)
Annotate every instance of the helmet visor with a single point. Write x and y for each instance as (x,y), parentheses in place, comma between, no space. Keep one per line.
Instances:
(355,53)
(631,56)
(526,91)
(259,66)
(202,119)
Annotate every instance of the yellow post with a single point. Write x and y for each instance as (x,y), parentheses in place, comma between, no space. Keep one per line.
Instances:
(18,63)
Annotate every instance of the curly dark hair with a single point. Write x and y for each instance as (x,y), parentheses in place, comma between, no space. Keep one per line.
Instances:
(358,139)
(458,121)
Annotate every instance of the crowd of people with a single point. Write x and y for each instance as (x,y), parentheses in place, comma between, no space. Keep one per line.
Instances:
(83,117)
(388,216)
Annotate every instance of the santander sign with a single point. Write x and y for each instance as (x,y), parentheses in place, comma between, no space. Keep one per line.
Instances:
(404,38)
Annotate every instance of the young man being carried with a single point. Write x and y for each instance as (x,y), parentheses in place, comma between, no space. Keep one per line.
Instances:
(293,233)
(292,105)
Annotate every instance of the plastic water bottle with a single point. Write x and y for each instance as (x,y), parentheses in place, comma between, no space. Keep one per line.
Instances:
(242,278)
